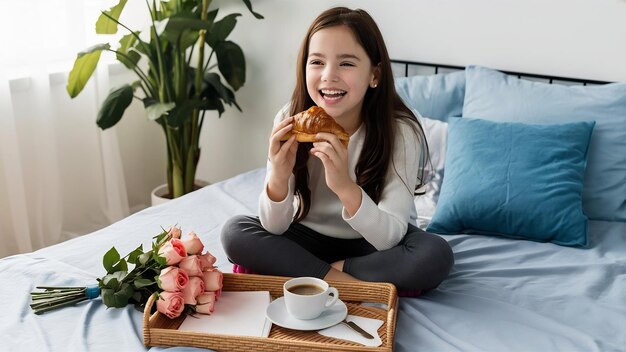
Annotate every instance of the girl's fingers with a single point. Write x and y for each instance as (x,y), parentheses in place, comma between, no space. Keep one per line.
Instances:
(282,124)
(323,157)
(277,135)
(287,147)
(330,138)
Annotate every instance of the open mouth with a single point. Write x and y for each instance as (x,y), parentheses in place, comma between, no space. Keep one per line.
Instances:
(332,94)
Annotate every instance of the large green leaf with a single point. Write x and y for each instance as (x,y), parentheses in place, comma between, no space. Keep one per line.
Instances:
(141,282)
(105,25)
(155,109)
(133,257)
(117,298)
(182,113)
(249,6)
(113,280)
(210,16)
(130,57)
(84,66)
(114,106)
(109,259)
(231,63)
(184,22)
(221,29)
(215,88)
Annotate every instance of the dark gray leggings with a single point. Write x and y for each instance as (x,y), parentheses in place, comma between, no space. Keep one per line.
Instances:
(421,261)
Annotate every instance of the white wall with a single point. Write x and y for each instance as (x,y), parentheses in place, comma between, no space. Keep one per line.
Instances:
(574,38)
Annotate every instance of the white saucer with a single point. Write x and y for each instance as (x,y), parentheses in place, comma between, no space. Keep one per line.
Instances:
(277,314)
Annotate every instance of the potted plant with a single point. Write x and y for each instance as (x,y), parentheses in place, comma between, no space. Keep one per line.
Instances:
(176,61)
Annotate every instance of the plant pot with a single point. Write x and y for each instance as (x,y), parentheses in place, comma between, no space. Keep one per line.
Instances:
(159,194)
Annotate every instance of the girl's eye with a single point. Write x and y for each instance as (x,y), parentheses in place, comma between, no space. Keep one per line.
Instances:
(315,62)
(350,64)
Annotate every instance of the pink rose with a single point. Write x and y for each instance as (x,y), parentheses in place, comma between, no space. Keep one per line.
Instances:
(173,251)
(173,279)
(212,280)
(171,304)
(191,265)
(173,232)
(218,293)
(192,243)
(194,288)
(206,303)
(207,261)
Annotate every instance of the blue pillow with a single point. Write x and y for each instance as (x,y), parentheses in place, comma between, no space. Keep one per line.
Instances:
(515,180)
(492,95)
(436,96)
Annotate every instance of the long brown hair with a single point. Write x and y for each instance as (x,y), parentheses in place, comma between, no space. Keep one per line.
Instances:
(381,108)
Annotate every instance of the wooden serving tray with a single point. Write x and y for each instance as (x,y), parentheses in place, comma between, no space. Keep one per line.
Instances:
(158,330)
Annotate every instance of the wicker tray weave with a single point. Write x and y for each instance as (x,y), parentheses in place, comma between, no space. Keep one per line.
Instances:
(159,330)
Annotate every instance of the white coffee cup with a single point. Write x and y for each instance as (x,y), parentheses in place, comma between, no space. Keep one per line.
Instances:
(307,297)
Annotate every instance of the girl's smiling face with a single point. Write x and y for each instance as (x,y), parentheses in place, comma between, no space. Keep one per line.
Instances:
(338,74)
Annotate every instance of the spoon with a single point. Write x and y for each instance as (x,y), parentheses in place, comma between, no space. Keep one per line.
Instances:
(352,325)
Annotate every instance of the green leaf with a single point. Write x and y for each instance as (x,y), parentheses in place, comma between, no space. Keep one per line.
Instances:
(160,260)
(113,280)
(231,63)
(216,88)
(156,110)
(144,258)
(117,298)
(210,16)
(85,64)
(105,25)
(133,257)
(139,283)
(110,258)
(249,6)
(221,29)
(121,266)
(188,39)
(180,114)
(160,238)
(136,84)
(114,106)
(184,22)
(131,56)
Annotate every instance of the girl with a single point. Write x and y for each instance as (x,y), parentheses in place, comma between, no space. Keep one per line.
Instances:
(343,213)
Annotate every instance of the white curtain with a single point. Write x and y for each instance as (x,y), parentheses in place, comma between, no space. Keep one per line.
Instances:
(60,176)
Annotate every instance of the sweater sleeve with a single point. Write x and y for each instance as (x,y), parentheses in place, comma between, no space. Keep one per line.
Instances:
(385,224)
(276,217)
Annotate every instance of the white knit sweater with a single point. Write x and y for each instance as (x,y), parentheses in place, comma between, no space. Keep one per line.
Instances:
(383,224)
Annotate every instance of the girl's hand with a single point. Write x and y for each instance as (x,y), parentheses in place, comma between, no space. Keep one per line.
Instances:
(334,156)
(282,156)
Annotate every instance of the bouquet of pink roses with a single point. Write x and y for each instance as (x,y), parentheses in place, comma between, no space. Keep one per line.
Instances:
(175,269)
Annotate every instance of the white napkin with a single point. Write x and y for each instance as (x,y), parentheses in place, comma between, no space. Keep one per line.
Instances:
(341,331)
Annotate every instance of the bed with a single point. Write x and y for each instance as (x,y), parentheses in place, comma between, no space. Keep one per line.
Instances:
(505,293)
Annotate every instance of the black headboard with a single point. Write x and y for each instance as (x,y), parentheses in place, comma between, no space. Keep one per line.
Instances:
(404,68)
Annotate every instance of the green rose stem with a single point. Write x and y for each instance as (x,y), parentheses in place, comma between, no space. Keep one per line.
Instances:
(57,297)
(51,306)
(54,298)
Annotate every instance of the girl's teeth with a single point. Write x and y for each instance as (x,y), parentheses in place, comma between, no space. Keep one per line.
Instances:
(329,94)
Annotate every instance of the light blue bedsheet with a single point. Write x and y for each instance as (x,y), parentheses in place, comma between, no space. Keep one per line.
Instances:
(502,295)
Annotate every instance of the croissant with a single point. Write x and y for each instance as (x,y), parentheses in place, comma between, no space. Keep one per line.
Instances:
(307,124)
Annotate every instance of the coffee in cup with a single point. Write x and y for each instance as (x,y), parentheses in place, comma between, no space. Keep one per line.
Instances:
(307,297)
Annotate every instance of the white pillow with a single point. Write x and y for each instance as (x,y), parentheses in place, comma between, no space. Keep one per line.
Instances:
(437,137)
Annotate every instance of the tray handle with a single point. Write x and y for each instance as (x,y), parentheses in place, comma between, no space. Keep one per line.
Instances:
(146,319)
